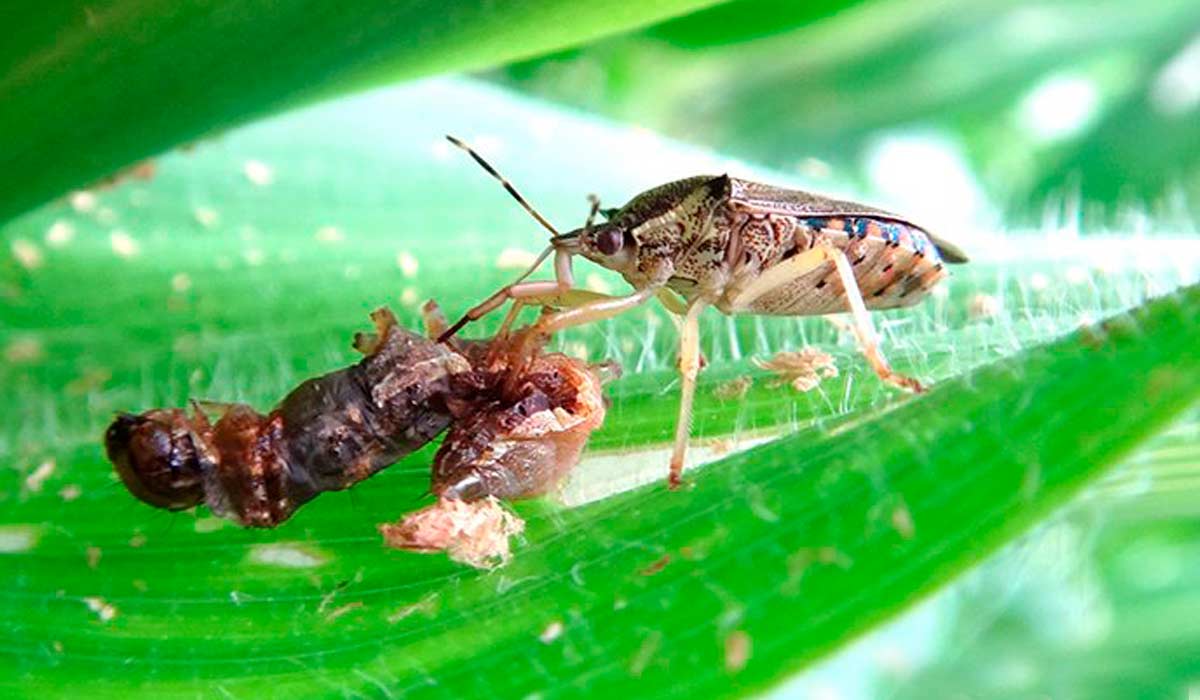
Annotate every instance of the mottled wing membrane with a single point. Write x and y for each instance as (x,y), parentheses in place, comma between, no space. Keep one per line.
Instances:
(949,252)
(802,204)
(765,198)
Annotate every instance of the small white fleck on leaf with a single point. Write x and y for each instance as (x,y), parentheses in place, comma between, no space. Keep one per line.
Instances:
(37,478)
(552,632)
(24,349)
(82,201)
(983,306)
(407,263)
(737,651)
(330,234)
(287,556)
(27,253)
(18,538)
(206,216)
(475,533)
(123,244)
(59,234)
(104,610)
(258,173)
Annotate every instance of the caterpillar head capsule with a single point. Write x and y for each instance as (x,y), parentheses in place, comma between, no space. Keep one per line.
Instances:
(156,457)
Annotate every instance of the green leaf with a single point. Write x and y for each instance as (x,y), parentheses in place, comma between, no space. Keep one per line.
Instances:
(86,89)
(1109,579)
(201,283)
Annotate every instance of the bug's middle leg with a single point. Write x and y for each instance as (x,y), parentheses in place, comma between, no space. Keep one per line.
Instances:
(689,367)
(788,270)
(588,307)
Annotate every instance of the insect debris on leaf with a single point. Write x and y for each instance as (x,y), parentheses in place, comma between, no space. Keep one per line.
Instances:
(475,533)
(741,247)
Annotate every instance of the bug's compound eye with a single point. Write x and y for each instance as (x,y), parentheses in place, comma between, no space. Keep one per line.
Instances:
(610,241)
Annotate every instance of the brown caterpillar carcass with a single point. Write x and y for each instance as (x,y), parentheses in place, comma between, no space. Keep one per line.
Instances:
(518,422)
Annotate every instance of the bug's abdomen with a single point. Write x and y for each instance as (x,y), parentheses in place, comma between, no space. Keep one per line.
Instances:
(894,265)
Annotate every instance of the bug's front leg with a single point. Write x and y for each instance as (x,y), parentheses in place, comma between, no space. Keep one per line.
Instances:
(789,270)
(689,367)
(558,294)
(564,281)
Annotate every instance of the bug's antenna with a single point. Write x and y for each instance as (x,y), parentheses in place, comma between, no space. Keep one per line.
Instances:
(507,185)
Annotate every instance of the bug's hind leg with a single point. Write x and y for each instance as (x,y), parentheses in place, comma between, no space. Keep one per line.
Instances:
(689,367)
(868,340)
(787,271)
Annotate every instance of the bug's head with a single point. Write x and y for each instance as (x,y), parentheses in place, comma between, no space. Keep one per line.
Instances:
(614,243)
(156,458)
(610,244)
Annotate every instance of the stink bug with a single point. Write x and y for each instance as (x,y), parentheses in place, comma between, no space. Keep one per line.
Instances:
(741,247)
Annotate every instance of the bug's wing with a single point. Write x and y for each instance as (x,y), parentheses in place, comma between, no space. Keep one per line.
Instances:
(799,203)
(949,252)
(765,198)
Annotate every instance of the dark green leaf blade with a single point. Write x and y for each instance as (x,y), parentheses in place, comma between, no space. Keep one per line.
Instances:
(811,542)
(85,89)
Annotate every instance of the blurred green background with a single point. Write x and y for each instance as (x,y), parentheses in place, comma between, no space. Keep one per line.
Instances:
(1016,105)
(1058,142)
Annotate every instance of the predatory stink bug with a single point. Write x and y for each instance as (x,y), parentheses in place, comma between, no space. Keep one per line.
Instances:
(741,247)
